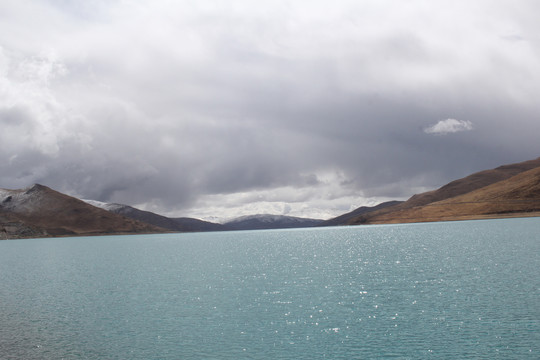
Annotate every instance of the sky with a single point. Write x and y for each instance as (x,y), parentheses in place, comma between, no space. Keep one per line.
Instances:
(220,108)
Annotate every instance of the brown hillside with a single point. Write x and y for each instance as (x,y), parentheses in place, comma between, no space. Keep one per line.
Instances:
(472,182)
(41,211)
(455,188)
(516,196)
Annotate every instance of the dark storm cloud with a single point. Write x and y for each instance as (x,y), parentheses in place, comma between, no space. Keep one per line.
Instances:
(181,106)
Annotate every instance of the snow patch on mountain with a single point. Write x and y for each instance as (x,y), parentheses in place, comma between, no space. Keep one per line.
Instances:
(104,205)
(23,199)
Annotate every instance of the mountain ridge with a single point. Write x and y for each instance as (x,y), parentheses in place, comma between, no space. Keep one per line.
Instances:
(506,191)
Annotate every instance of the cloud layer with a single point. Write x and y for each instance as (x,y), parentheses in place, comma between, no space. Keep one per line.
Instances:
(227,108)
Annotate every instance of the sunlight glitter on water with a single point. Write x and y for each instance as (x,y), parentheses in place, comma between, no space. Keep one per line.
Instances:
(415,291)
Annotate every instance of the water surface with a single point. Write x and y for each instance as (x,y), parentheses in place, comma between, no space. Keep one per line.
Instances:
(440,290)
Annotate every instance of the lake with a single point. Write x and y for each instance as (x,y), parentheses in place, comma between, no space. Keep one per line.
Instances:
(455,290)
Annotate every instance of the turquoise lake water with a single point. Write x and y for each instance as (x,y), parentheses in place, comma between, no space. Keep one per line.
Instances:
(457,290)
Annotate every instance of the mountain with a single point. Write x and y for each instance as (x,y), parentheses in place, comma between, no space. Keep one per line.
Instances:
(39,211)
(506,191)
(343,219)
(175,224)
(265,221)
(509,190)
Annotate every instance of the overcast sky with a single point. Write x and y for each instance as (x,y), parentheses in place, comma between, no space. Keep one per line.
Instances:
(214,109)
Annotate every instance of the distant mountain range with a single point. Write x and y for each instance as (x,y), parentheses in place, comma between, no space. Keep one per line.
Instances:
(182,224)
(265,221)
(507,191)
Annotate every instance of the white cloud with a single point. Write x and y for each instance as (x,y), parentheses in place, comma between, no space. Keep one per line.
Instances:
(325,200)
(448,126)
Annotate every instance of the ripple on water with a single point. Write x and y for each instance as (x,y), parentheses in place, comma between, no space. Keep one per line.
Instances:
(442,290)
